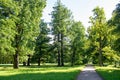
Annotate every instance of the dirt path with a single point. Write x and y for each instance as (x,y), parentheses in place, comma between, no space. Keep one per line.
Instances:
(89,73)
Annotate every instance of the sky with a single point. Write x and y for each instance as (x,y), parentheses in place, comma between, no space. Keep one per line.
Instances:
(81,9)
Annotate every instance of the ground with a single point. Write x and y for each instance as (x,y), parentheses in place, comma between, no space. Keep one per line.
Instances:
(89,73)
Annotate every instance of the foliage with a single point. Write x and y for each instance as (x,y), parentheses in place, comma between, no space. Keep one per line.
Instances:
(42,41)
(98,33)
(19,26)
(77,40)
(8,13)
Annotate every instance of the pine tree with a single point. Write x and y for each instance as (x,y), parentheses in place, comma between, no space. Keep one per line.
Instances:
(61,18)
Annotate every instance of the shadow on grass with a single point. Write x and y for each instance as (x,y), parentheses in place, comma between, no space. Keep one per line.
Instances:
(42,76)
(110,74)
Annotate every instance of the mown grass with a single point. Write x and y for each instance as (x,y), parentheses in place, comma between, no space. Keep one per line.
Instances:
(48,72)
(109,73)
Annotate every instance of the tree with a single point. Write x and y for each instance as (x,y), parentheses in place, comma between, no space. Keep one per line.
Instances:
(61,18)
(42,41)
(114,22)
(24,16)
(77,36)
(8,18)
(98,31)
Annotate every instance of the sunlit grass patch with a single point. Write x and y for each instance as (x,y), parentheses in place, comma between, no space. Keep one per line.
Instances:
(39,73)
(109,73)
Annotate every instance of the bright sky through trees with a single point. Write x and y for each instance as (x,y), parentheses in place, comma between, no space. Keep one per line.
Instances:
(82,9)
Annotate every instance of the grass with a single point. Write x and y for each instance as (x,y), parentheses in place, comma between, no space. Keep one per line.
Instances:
(48,72)
(109,73)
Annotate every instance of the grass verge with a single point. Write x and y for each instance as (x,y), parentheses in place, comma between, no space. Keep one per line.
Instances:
(109,73)
(39,73)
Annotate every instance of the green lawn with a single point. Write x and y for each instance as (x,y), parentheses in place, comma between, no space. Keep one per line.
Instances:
(109,73)
(39,73)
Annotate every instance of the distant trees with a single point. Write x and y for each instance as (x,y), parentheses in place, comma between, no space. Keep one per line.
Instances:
(24,35)
(42,42)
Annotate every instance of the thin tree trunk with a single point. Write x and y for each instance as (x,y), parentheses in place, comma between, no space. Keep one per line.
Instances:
(100,53)
(59,60)
(28,61)
(73,58)
(40,55)
(39,61)
(115,64)
(119,63)
(62,52)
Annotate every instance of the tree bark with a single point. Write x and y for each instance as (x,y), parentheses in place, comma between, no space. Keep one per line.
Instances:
(59,60)
(28,61)
(39,61)
(16,55)
(100,53)
(16,61)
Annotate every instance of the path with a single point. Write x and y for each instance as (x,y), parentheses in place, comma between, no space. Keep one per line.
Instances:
(89,73)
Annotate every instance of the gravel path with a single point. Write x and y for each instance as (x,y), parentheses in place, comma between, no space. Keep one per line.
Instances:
(89,73)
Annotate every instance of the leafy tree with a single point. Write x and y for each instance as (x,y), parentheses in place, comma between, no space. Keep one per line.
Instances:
(21,18)
(98,32)
(61,18)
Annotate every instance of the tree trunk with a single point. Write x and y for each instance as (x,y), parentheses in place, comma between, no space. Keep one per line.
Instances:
(28,61)
(39,56)
(16,55)
(62,52)
(24,63)
(59,60)
(16,61)
(39,61)
(115,64)
(100,53)
(73,58)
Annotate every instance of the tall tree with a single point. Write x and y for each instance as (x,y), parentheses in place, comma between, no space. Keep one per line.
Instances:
(77,36)
(98,31)
(42,42)
(25,22)
(61,18)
